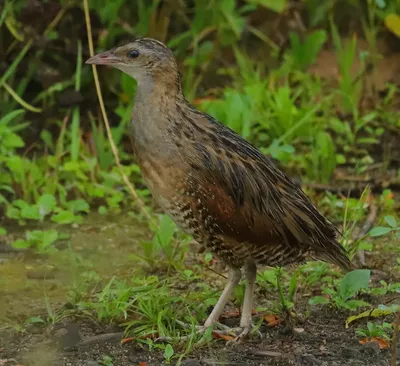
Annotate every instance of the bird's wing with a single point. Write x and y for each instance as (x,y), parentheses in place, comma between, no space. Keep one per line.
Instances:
(253,200)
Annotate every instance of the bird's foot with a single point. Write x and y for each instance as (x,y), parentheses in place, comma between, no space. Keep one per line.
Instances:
(234,335)
(219,329)
(240,333)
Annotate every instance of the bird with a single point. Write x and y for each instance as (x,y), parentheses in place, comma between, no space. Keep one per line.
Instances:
(214,184)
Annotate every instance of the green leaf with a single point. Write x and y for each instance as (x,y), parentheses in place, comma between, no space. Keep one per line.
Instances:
(46,204)
(12,140)
(35,320)
(165,231)
(30,212)
(208,257)
(318,300)
(13,213)
(21,244)
(379,231)
(102,210)
(41,240)
(354,281)
(391,221)
(66,217)
(168,352)
(275,5)
(2,231)
(78,206)
(10,116)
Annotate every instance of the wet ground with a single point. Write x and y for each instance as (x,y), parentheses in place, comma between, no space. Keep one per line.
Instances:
(32,285)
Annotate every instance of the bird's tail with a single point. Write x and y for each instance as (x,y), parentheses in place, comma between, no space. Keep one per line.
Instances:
(338,255)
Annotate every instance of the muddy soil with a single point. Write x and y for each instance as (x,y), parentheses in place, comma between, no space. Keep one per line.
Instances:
(321,340)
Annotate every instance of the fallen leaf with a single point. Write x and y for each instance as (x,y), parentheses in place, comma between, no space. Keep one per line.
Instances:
(127,340)
(131,339)
(142,364)
(225,337)
(382,343)
(272,320)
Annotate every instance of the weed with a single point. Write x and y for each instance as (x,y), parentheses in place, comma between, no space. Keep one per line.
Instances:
(375,330)
(348,287)
(106,361)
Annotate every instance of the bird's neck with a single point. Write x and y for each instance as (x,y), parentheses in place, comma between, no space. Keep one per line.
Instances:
(153,112)
(158,89)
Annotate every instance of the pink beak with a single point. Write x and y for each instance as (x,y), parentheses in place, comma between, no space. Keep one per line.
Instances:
(104,58)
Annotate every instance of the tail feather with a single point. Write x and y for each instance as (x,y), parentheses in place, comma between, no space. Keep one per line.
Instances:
(338,255)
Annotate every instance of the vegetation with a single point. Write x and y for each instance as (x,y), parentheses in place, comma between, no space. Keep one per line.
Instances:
(313,84)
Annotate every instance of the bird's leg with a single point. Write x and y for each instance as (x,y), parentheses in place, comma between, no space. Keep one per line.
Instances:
(233,279)
(246,323)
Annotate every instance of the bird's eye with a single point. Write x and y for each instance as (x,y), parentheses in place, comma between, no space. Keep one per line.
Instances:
(133,54)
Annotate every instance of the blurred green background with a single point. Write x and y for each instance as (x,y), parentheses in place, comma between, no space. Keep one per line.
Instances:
(314,84)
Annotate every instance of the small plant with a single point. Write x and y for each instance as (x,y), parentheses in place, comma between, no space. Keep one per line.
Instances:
(168,353)
(37,239)
(349,286)
(375,330)
(304,53)
(392,227)
(166,244)
(106,361)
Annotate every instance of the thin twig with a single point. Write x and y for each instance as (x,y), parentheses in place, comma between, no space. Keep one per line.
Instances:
(369,222)
(100,338)
(114,149)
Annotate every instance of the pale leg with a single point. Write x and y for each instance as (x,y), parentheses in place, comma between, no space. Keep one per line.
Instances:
(233,279)
(246,322)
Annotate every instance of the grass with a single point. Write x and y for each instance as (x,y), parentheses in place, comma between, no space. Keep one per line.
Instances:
(57,166)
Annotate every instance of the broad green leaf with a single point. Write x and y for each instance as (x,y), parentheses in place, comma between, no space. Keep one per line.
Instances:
(165,231)
(168,352)
(379,231)
(391,221)
(66,217)
(46,204)
(11,140)
(21,244)
(354,281)
(2,231)
(78,206)
(30,212)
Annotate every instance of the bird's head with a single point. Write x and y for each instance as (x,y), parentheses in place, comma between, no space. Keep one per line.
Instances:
(144,58)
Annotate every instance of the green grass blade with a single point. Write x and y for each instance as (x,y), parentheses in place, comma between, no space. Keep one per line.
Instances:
(16,62)
(75,127)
